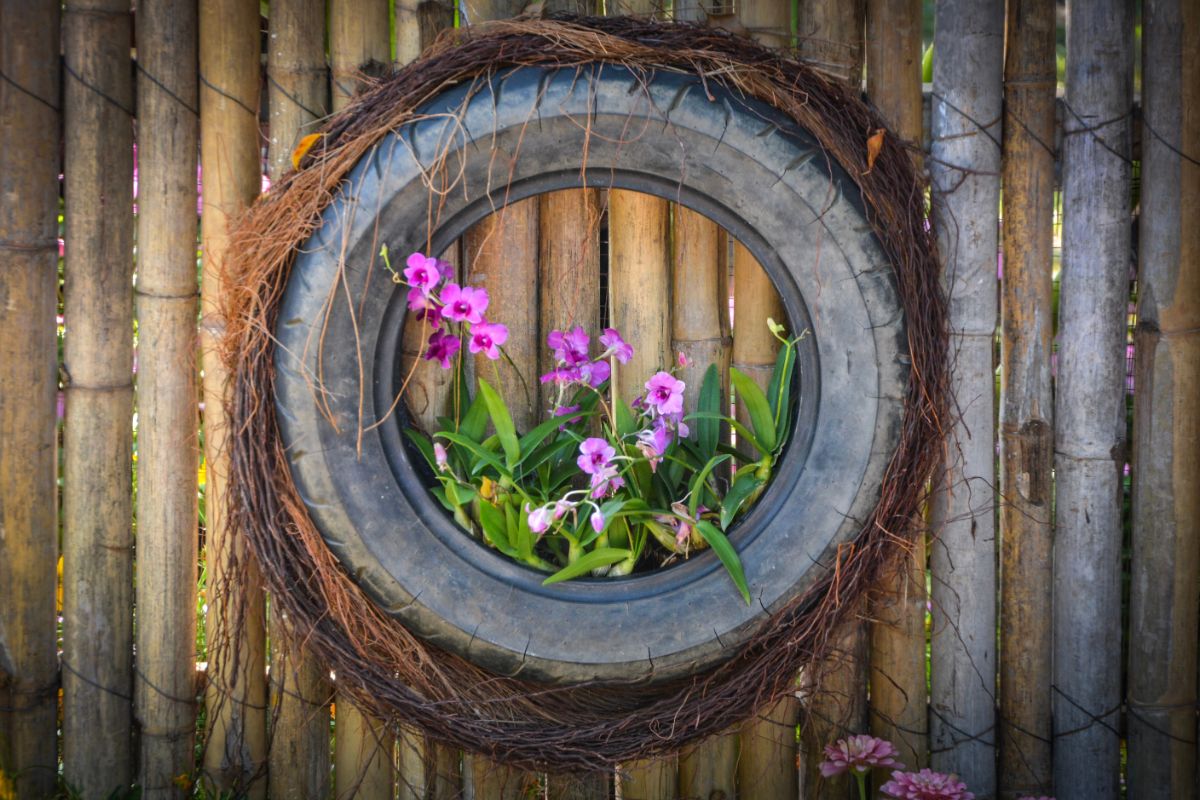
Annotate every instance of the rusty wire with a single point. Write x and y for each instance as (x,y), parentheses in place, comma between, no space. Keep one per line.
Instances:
(389,672)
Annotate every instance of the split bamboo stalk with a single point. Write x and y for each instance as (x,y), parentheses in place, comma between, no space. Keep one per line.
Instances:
(359,45)
(899,711)
(501,256)
(366,768)
(236,695)
(767,753)
(1089,412)
(569,258)
(168,451)
(699,322)
(965,163)
(1026,401)
(298,757)
(831,36)
(98,368)
(29,167)
(1166,488)
(418,22)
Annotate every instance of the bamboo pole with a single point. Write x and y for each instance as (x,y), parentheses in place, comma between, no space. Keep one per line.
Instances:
(98,365)
(1166,488)
(359,45)
(710,769)
(1089,408)
(298,754)
(501,256)
(965,162)
(1026,402)
(899,709)
(165,681)
(767,759)
(29,166)
(236,695)
(365,768)
(830,37)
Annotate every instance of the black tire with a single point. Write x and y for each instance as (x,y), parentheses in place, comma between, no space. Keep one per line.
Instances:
(740,162)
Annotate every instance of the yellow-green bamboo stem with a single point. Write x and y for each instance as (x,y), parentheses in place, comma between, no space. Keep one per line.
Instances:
(29,167)
(98,360)
(165,685)
(236,697)
(364,756)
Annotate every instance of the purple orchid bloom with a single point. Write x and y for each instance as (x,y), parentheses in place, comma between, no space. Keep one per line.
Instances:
(615,345)
(486,338)
(463,303)
(423,272)
(569,348)
(442,347)
(595,455)
(664,394)
(561,375)
(595,373)
(539,518)
(425,307)
(654,441)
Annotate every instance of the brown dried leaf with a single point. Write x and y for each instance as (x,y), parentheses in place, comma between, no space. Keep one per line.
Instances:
(874,145)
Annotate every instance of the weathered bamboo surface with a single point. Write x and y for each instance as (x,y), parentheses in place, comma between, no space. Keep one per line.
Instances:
(1089,412)
(97,536)
(1026,401)
(899,707)
(964,163)
(359,46)
(29,166)
(297,96)
(365,768)
(1165,596)
(236,696)
(168,450)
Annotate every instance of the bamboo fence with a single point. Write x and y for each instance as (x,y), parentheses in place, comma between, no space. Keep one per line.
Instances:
(1030,690)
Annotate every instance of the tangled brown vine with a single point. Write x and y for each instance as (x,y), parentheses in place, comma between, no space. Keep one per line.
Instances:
(380,665)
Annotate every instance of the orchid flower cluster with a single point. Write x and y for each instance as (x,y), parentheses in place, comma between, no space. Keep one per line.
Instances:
(601,486)
(437,300)
(859,755)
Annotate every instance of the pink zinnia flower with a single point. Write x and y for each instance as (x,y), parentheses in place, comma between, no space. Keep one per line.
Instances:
(595,373)
(926,785)
(570,348)
(664,394)
(442,347)
(486,337)
(422,272)
(595,453)
(860,753)
(463,303)
(615,345)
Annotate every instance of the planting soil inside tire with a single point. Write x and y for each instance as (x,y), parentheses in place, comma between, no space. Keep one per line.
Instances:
(339,364)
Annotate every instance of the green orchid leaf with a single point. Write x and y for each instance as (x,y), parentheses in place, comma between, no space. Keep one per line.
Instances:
(744,434)
(780,388)
(423,444)
(495,528)
(742,488)
(503,422)
(532,440)
(600,557)
(755,402)
(708,430)
(697,484)
(474,424)
(481,453)
(626,421)
(729,557)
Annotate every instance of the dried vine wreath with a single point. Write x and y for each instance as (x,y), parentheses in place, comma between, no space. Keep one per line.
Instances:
(594,725)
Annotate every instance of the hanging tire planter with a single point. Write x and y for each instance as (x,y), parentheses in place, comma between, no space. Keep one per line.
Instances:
(420,621)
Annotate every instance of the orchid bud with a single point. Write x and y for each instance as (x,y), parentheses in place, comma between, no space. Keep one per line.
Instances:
(561,507)
(539,518)
(597,521)
(439,455)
